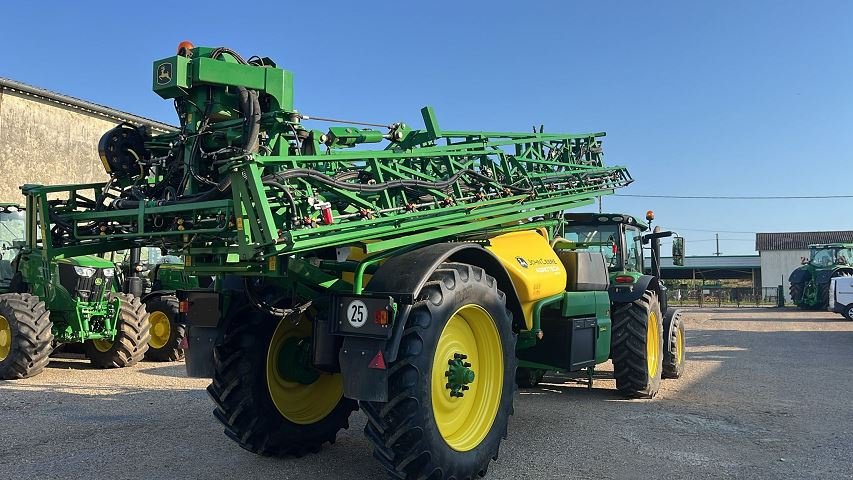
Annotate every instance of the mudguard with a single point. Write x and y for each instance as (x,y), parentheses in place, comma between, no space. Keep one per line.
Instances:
(800,275)
(823,276)
(627,293)
(402,278)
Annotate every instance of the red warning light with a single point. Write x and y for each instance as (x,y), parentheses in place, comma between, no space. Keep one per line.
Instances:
(381,317)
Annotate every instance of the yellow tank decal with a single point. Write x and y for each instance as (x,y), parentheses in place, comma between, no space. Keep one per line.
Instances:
(533,266)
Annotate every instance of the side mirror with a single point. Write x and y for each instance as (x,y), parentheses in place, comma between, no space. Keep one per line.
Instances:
(678,251)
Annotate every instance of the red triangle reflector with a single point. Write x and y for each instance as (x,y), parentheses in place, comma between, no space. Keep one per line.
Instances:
(378,361)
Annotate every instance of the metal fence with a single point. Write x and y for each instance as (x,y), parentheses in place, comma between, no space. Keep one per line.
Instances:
(723,296)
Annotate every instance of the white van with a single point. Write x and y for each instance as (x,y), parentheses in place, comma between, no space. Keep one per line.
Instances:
(841,296)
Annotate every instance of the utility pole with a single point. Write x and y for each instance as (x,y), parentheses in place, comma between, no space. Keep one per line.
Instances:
(599,204)
(717,235)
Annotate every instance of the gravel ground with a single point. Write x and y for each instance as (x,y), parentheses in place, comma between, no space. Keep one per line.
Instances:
(766,395)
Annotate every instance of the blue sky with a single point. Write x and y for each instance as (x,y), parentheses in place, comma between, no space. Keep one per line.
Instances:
(697,98)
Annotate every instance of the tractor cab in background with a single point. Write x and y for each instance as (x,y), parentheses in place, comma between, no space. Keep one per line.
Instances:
(622,240)
(13,225)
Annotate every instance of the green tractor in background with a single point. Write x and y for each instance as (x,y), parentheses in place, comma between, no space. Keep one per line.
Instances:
(47,300)
(638,302)
(154,278)
(810,283)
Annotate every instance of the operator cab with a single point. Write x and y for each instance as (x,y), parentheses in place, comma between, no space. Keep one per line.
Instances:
(13,225)
(603,233)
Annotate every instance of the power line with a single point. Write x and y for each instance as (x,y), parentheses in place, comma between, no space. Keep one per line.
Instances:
(736,197)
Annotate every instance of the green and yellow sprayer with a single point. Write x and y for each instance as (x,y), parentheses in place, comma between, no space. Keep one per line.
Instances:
(410,280)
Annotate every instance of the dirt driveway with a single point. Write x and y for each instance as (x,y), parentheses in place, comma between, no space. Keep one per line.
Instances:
(767,395)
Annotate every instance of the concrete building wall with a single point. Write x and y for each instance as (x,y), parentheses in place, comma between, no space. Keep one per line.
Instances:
(44,142)
(777,265)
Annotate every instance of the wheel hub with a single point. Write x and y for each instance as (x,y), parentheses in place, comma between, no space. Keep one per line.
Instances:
(294,361)
(459,375)
(5,338)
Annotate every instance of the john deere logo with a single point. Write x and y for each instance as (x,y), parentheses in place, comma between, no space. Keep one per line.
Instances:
(164,73)
(98,281)
(521,262)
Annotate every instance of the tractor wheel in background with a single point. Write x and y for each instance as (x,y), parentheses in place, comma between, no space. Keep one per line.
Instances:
(131,340)
(25,336)
(166,333)
(674,359)
(268,396)
(637,343)
(528,377)
(796,291)
(451,387)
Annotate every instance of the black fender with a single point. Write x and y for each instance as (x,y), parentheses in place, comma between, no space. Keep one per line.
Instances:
(155,293)
(404,275)
(800,275)
(823,276)
(627,293)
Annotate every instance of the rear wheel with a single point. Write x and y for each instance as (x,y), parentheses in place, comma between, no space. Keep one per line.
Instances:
(848,312)
(131,340)
(796,292)
(451,386)
(166,332)
(25,336)
(637,346)
(270,399)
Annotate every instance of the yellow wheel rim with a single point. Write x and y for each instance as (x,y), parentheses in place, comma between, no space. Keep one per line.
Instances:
(465,421)
(161,329)
(652,345)
(5,338)
(679,346)
(102,345)
(297,402)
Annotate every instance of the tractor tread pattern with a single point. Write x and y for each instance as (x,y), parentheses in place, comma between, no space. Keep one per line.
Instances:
(131,341)
(630,323)
(239,409)
(32,337)
(172,351)
(671,368)
(392,427)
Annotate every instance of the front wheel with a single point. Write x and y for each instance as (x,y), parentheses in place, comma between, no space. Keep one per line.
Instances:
(268,396)
(674,359)
(637,346)
(452,383)
(131,340)
(25,336)
(166,333)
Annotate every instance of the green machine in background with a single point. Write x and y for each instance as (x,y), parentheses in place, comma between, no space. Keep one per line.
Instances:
(155,278)
(48,300)
(810,283)
(636,301)
(406,280)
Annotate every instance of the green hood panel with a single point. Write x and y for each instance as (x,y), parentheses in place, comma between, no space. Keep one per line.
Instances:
(88,261)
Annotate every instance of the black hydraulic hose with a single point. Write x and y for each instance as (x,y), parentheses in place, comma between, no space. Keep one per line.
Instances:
(379,187)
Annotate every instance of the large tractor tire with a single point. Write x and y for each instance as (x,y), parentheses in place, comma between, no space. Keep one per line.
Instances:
(451,386)
(674,359)
(796,292)
(637,343)
(166,333)
(26,339)
(131,341)
(271,401)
